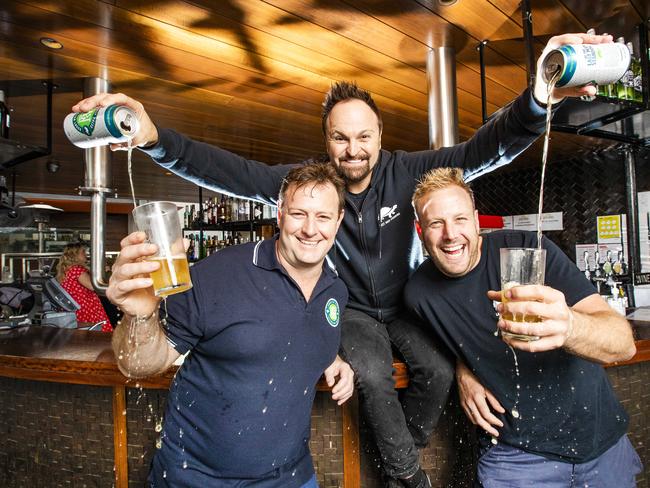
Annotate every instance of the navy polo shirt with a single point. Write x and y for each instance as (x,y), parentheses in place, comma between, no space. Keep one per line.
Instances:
(240,405)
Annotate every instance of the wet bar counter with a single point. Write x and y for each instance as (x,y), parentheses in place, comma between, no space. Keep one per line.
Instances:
(70,418)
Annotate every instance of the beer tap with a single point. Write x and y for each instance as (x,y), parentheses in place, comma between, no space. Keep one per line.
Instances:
(607,265)
(597,278)
(586,261)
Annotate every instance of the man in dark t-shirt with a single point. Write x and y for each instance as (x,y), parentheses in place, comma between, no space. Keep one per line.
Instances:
(555,421)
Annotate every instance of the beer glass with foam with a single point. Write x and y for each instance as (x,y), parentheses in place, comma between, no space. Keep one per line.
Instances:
(521,266)
(162,224)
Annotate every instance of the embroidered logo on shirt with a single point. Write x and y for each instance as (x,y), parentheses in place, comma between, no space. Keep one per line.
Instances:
(332,312)
(388,214)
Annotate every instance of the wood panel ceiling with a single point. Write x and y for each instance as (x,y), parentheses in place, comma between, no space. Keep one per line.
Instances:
(250,75)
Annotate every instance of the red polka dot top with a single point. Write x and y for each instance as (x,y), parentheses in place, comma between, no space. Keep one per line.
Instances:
(91,308)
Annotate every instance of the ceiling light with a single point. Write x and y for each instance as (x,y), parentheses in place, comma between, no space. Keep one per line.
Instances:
(446,3)
(51,43)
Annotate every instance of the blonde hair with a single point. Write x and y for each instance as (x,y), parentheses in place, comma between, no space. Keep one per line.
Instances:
(440,178)
(69,258)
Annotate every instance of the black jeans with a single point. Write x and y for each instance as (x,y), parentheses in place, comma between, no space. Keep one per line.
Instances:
(399,429)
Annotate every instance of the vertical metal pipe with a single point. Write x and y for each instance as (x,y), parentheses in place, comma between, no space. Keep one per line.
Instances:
(527,25)
(632,216)
(481,58)
(443,109)
(50,88)
(96,181)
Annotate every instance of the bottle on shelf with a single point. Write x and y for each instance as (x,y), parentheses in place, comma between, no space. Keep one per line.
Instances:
(637,77)
(190,249)
(625,86)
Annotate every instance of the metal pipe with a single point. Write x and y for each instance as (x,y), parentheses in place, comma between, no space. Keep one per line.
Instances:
(97,259)
(96,182)
(632,214)
(527,25)
(443,108)
(481,59)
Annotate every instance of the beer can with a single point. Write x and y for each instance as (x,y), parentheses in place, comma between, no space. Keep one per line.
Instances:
(101,126)
(581,64)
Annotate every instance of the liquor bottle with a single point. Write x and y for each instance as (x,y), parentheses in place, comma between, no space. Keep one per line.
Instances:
(202,246)
(190,249)
(221,213)
(637,77)
(242,211)
(4,117)
(257,211)
(234,209)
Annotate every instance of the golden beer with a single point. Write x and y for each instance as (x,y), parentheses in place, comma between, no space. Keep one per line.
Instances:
(172,277)
(517,317)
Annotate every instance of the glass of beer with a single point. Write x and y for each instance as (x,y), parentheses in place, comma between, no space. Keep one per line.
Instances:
(162,224)
(521,266)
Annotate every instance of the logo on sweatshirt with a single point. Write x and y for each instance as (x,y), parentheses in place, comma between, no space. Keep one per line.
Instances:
(332,312)
(388,214)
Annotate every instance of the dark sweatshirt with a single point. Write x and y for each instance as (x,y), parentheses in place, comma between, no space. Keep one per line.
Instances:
(377,248)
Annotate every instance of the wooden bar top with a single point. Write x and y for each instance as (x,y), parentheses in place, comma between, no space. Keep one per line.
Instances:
(85,357)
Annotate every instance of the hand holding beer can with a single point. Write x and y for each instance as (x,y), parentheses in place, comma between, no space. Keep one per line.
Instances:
(581,64)
(161,222)
(101,126)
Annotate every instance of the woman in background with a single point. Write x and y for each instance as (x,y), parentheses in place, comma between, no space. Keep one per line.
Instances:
(73,275)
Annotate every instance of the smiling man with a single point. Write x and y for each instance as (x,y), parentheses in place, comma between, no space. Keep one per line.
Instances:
(549,414)
(376,247)
(261,324)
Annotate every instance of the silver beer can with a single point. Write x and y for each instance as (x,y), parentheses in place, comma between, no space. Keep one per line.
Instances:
(581,64)
(101,126)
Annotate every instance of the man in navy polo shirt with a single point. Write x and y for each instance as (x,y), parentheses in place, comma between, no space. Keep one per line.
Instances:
(261,324)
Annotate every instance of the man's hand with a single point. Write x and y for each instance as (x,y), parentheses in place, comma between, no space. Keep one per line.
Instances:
(344,387)
(147,134)
(535,300)
(474,400)
(130,287)
(540,90)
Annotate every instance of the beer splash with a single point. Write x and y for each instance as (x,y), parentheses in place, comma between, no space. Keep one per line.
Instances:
(129,153)
(549,114)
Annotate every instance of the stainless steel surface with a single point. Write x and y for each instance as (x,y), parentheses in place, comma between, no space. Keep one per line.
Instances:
(97,180)
(26,258)
(633,261)
(442,102)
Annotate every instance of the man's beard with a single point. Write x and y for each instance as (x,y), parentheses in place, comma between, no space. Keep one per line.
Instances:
(354,174)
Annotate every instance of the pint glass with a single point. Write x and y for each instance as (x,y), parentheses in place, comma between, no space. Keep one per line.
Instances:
(521,266)
(161,223)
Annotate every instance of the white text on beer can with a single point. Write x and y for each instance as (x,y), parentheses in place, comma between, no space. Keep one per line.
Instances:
(101,126)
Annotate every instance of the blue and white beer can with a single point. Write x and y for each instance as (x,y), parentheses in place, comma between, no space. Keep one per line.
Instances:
(101,126)
(582,64)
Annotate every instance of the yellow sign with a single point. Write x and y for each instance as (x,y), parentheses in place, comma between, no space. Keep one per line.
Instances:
(609,227)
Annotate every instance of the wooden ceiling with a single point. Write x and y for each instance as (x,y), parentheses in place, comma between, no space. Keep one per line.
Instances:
(250,75)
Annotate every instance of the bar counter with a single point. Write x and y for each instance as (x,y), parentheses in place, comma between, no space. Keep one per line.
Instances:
(66,409)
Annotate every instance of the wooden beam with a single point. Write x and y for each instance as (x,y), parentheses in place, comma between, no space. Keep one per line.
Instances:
(120,441)
(351,454)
